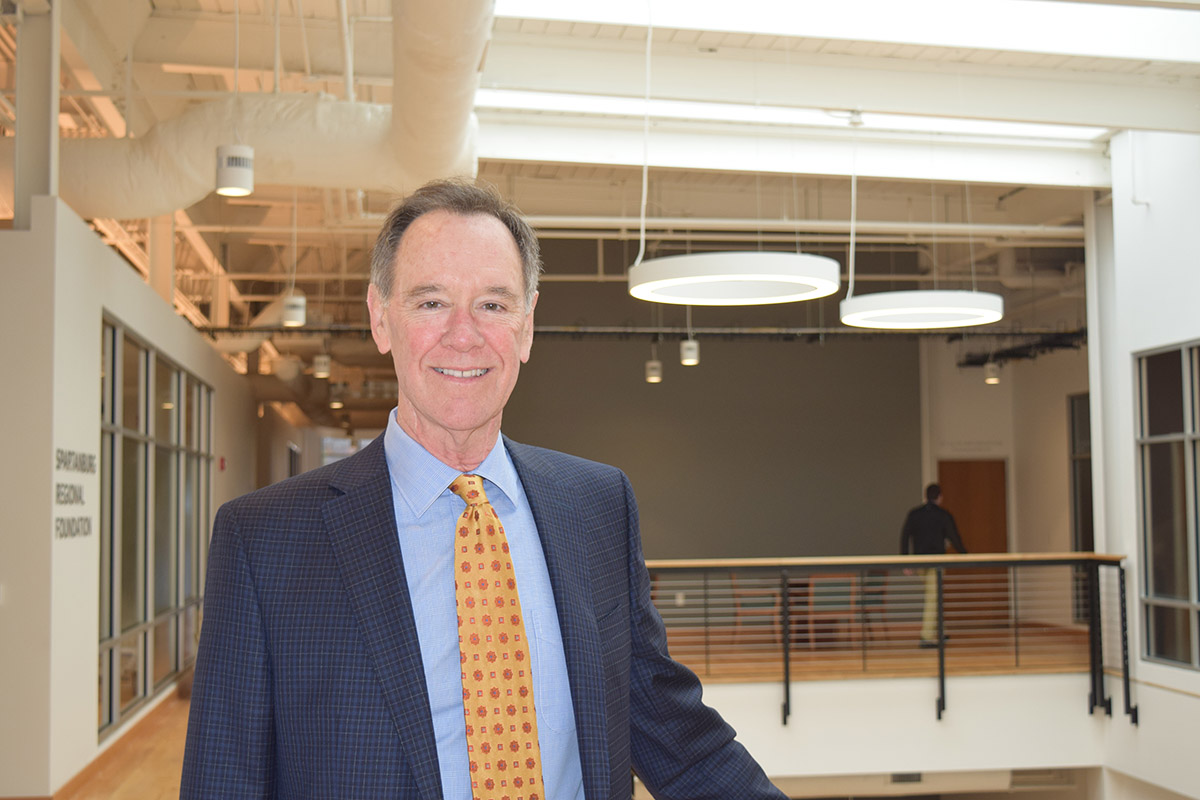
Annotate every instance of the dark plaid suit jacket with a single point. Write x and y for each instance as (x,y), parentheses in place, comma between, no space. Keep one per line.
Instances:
(309,682)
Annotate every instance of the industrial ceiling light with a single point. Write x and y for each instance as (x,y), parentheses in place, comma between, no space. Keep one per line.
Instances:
(991,373)
(654,371)
(734,278)
(235,162)
(689,352)
(295,308)
(922,309)
(235,170)
(322,365)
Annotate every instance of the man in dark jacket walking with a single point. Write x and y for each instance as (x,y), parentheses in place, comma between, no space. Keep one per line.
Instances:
(927,529)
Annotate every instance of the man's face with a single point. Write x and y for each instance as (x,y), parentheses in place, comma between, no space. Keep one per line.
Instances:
(456,325)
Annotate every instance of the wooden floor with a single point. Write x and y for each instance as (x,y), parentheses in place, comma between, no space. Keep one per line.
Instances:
(144,765)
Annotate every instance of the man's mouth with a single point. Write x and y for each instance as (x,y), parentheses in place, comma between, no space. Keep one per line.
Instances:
(462,373)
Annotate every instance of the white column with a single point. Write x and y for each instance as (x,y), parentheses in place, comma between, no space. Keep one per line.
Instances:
(36,163)
(162,256)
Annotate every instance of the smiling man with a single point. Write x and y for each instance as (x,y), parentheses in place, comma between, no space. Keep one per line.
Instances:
(448,614)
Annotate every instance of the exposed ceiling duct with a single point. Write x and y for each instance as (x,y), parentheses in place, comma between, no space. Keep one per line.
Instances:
(299,139)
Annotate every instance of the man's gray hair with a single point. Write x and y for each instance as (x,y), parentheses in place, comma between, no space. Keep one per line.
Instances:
(457,197)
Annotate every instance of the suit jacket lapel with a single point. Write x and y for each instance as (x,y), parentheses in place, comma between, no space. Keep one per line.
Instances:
(361,525)
(563,536)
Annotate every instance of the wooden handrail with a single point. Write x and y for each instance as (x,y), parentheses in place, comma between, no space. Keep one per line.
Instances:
(825,562)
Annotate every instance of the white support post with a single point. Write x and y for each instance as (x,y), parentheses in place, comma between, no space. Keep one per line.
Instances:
(162,256)
(36,162)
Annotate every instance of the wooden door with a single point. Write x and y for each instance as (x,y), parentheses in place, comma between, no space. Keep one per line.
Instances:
(976,493)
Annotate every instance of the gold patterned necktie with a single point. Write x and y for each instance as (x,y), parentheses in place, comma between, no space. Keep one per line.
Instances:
(497,680)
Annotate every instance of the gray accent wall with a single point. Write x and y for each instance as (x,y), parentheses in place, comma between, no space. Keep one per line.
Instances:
(767,448)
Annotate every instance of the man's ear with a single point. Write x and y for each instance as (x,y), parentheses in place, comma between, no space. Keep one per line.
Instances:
(527,344)
(379,332)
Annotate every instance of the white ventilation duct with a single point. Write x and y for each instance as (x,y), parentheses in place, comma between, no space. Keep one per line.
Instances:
(301,139)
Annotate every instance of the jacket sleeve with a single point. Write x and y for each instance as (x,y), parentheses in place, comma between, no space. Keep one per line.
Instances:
(952,534)
(906,534)
(230,744)
(680,748)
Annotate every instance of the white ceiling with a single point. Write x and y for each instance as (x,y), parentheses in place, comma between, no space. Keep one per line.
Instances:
(985,124)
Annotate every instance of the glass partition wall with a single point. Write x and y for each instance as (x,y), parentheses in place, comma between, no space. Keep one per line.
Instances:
(156,455)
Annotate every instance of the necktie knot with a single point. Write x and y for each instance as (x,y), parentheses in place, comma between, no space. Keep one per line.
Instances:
(470,489)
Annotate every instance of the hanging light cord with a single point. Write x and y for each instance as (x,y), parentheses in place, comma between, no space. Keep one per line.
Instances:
(237,54)
(295,250)
(645,147)
(855,119)
(970,235)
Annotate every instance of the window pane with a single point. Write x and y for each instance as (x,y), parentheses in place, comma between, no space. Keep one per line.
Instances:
(1081,479)
(190,634)
(164,650)
(106,340)
(129,655)
(1081,425)
(1166,520)
(1163,393)
(132,508)
(165,401)
(191,416)
(106,533)
(1170,634)
(164,530)
(131,398)
(104,692)
(190,510)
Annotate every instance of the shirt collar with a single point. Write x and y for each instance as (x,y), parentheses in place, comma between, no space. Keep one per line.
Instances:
(420,478)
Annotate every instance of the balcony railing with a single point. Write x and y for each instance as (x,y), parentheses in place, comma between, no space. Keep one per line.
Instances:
(838,618)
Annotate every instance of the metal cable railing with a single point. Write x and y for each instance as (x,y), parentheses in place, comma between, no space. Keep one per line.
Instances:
(878,617)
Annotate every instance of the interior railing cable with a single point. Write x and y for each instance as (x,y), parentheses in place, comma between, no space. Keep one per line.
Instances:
(797,619)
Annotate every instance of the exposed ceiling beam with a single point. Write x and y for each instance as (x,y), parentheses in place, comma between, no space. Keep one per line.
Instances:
(578,140)
(817,81)
(1021,26)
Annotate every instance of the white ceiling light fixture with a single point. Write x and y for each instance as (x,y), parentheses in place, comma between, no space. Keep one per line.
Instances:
(654,372)
(991,373)
(235,162)
(689,348)
(322,365)
(918,309)
(725,278)
(734,278)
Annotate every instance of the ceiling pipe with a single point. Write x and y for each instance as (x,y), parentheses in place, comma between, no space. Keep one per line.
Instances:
(300,139)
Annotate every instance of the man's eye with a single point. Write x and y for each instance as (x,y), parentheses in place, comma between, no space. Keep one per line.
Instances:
(431,304)
(492,307)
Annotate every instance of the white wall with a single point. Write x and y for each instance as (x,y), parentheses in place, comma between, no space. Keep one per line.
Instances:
(26,483)
(1148,286)
(61,280)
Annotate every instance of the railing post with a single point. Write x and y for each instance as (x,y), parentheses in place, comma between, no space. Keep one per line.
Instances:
(1130,709)
(1016,606)
(786,636)
(941,643)
(1096,645)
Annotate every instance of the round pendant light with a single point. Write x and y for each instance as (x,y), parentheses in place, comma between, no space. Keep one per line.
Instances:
(921,309)
(734,278)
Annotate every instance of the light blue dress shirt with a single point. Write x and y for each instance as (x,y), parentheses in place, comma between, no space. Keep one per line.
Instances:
(426,513)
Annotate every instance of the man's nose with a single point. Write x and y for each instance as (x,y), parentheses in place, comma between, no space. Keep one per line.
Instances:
(462,330)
